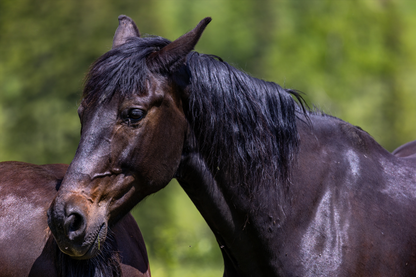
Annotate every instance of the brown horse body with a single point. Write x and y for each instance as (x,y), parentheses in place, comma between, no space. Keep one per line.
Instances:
(27,247)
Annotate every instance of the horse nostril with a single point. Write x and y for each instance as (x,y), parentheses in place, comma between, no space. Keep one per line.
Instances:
(74,225)
(74,222)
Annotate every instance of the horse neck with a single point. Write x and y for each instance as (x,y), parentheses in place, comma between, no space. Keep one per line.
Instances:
(201,187)
(218,196)
(238,229)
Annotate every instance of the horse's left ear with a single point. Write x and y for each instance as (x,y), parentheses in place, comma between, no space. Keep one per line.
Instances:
(126,29)
(172,54)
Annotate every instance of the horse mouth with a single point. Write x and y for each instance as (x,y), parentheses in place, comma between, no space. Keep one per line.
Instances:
(95,241)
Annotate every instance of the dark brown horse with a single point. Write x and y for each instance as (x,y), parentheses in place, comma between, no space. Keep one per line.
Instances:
(286,191)
(27,247)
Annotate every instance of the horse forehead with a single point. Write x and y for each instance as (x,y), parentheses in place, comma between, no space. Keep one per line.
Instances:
(157,87)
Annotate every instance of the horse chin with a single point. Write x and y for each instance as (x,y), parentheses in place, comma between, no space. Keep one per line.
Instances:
(92,245)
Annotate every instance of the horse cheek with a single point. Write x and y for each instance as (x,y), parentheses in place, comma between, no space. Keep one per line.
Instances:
(159,150)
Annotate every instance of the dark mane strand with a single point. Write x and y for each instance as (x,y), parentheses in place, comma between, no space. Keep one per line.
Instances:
(243,126)
(122,70)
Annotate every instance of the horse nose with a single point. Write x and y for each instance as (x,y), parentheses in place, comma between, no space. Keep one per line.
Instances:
(74,223)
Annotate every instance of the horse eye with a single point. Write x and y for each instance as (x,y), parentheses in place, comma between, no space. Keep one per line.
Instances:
(134,115)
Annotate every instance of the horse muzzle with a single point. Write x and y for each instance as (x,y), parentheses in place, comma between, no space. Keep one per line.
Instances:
(78,226)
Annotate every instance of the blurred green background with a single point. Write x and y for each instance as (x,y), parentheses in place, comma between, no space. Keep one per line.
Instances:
(354,59)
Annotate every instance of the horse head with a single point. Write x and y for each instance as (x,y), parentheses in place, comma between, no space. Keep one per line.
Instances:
(133,129)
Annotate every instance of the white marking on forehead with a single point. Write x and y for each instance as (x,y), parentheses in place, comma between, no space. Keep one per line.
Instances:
(354,162)
(12,219)
(324,239)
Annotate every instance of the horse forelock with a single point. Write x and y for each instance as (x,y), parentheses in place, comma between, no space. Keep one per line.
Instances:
(245,127)
(121,71)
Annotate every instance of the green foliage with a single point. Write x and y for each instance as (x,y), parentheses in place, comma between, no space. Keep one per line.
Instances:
(353,59)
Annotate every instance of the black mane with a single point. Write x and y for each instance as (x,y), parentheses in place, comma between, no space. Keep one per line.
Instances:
(244,126)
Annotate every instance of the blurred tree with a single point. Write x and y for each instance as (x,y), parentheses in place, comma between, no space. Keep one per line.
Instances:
(353,59)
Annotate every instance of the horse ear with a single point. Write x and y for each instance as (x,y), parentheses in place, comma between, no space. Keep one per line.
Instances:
(172,54)
(126,29)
